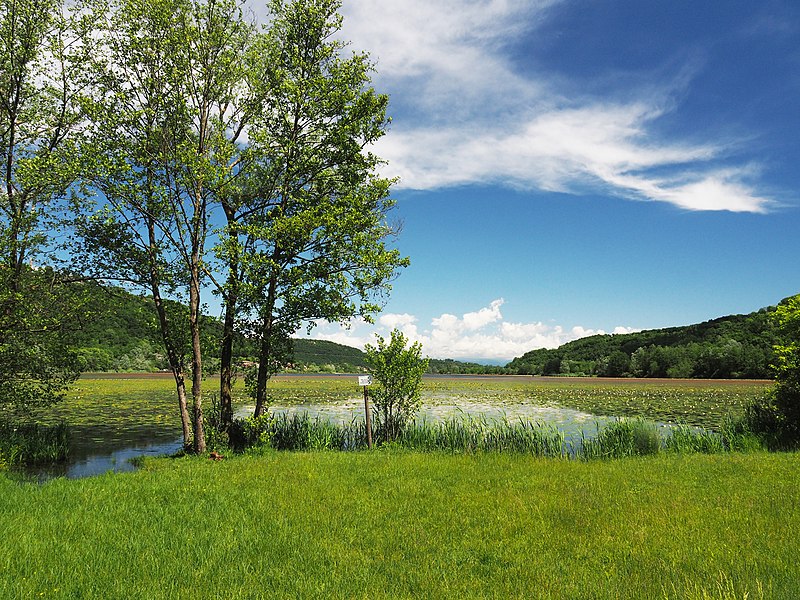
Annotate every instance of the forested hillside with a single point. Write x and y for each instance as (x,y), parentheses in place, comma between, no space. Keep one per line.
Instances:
(119,333)
(738,346)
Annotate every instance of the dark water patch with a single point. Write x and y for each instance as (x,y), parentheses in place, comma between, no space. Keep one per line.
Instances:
(99,449)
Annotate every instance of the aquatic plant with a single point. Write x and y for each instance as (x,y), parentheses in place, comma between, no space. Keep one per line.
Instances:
(32,443)
(621,438)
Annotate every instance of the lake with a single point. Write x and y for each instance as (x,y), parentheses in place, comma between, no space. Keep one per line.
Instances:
(117,417)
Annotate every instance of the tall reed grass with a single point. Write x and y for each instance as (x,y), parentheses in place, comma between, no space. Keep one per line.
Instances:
(635,437)
(467,434)
(31,443)
(459,435)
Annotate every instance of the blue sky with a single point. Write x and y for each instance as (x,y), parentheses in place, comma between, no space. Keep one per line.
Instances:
(569,167)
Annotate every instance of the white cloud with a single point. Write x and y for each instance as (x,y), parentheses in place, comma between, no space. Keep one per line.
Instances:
(481,318)
(392,320)
(468,115)
(481,334)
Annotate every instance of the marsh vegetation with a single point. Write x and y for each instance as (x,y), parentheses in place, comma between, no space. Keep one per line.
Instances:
(134,414)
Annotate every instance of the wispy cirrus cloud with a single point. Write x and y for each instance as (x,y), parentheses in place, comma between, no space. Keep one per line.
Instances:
(466,114)
(483,334)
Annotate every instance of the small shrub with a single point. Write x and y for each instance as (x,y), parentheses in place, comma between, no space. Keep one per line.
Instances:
(398,379)
(252,432)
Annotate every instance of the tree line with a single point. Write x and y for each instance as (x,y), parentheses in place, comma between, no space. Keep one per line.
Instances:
(180,149)
(737,346)
(123,336)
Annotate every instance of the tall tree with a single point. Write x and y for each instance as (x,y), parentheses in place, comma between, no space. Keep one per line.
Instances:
(43,47)
(314,228)
(167,123)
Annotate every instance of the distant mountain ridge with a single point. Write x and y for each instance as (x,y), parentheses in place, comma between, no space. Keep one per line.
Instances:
(120,333)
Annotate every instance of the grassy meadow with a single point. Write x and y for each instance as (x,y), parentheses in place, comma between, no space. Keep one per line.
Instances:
(391,524)
(395,523)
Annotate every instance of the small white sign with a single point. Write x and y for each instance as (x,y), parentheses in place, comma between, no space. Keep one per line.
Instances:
(364,380)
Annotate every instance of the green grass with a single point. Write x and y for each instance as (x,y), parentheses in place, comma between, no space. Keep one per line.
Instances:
(392,524)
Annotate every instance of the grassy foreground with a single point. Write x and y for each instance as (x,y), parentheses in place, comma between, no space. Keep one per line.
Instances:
(392,524)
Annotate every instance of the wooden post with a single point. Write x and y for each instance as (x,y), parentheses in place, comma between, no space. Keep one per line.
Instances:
(369,418)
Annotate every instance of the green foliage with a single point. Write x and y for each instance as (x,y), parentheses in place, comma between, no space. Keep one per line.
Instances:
(36,364)
(622,438)
(738,346)
(42,48)
(252,432)
(776,416)
(397,373)
(312,213)
(30,443)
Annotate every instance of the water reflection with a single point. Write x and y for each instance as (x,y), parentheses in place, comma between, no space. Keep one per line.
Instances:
(103,461)
(573,423)
(98,449)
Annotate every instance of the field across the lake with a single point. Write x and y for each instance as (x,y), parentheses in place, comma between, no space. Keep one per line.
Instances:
(127,399)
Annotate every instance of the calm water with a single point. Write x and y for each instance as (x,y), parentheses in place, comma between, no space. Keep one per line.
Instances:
(97,449)
(573,423)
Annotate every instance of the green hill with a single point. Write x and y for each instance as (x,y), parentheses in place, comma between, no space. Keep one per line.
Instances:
(737,346)
(119,332)
(328,356)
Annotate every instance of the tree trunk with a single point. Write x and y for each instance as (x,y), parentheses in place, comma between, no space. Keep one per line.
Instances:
(197,360)
(265,353)
(226,364)
(264,356)
(226,344)
(173,356)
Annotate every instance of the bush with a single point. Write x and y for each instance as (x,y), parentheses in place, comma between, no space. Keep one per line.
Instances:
(774,418)
(398,377)
(251,432)
(30,443)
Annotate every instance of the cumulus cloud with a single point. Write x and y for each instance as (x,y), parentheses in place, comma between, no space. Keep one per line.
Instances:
(468,115)
(483,334)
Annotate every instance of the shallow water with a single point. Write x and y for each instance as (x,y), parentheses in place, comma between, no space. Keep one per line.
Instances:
(124,418)
(574,424)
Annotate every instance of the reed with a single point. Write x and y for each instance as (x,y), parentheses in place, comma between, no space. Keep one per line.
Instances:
(625,437)
(31,443)
(467,434)
(463,434)
(733,436)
